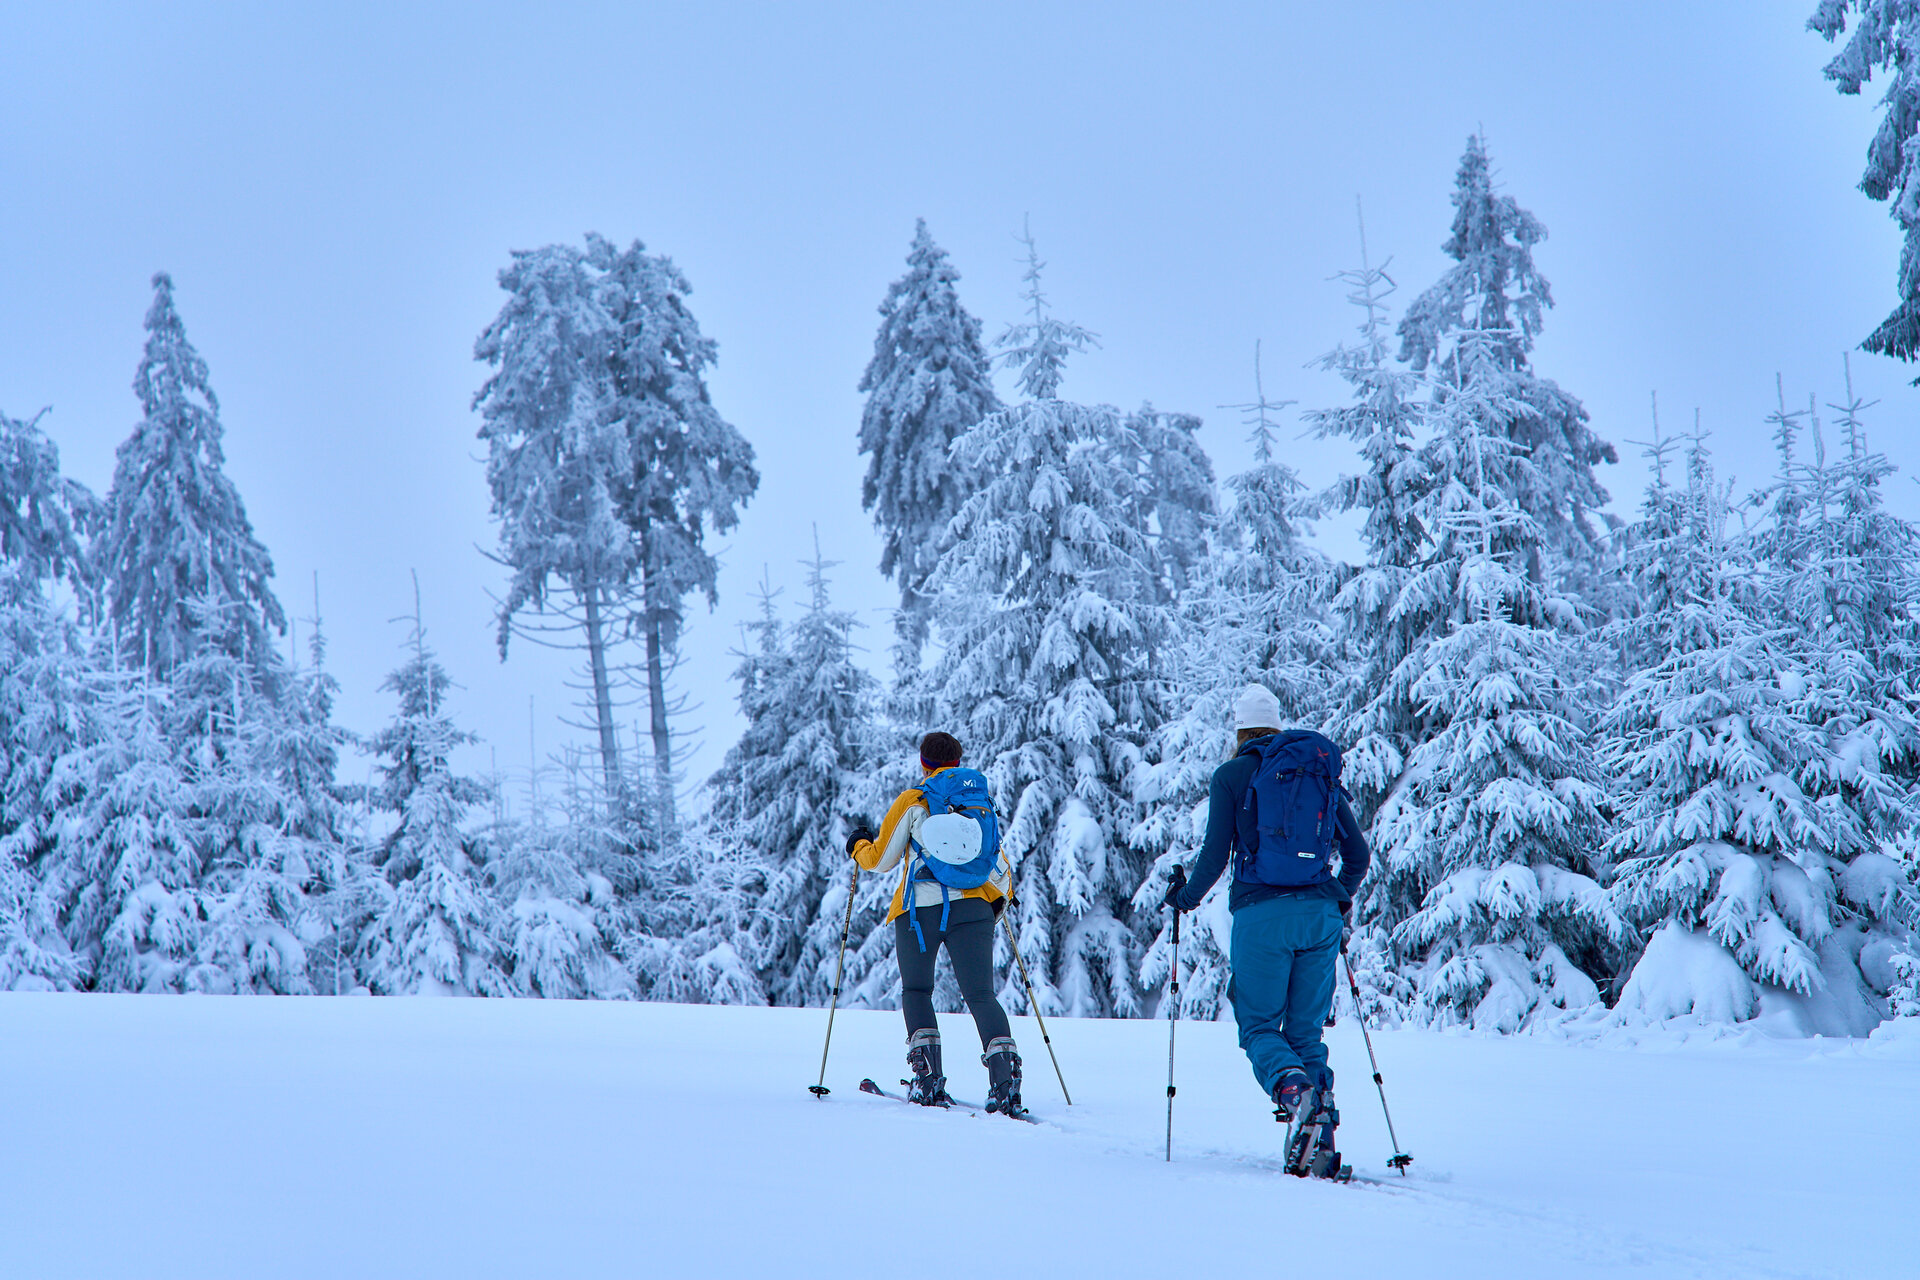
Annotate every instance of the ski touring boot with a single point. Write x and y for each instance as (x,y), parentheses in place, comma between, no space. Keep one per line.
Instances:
(1288,1094)
(1295,1101)
(1311,1118)
(929,1085)
(1002,1062)
(1323,1161)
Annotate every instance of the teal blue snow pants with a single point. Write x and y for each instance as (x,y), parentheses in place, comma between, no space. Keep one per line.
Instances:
(1283,952)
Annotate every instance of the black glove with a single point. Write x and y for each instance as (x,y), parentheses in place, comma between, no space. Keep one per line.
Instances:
(999,905)
(858,834)
(1175,884)
(1346,907)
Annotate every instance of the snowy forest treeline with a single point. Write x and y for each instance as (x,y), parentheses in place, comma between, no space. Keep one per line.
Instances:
(1646,767)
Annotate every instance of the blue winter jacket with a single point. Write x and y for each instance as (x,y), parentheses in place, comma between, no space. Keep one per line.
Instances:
(1229,789)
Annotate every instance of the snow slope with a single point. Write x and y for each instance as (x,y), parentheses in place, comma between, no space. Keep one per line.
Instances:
(253,1137)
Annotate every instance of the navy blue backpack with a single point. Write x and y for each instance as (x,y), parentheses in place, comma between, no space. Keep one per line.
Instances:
(958,844)
(1288,821)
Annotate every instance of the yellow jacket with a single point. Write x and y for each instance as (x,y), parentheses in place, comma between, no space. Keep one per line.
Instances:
(889,849)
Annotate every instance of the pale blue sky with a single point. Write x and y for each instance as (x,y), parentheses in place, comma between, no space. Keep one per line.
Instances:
(334,191)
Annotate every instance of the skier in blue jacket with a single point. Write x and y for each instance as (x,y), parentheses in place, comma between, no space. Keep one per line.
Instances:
(1285,938)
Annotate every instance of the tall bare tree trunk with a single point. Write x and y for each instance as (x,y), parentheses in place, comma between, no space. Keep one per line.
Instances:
(603,700)
(657,707)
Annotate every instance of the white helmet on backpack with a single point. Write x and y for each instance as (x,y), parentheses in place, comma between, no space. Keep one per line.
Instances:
(952,838)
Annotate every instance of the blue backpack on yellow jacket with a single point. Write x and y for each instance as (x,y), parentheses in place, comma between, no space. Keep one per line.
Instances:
(958,844)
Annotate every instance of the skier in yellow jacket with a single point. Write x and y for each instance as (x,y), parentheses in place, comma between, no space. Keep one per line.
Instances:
(963,920)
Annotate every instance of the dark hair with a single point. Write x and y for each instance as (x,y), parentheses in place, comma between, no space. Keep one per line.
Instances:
(1248,735)
(939,750)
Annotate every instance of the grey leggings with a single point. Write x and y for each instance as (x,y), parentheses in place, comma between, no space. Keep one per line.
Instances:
(969,943)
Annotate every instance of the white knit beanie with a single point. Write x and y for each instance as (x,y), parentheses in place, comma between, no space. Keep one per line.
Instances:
(1256,709)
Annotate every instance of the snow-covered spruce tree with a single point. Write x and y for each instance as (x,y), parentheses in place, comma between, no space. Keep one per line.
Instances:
(42,678)
(928,382)
(258,748)
(1886,37)
(122,876)
(1174,490)
(1492,825)
(174,526)
(96,812)
(1794,865)
(1050,614)
(1254,612)
(1861,589)
(185,584)
(1846,574)
(436,931)
(1494,288)
(1374,718)
(805,764)
(608,463)
(1376,726)
(1765,764)
(693,946)
(297,751)
(568,889)
(693,470)
(1701,750)
(1848,569)
(250,877)
(710,905)
(43,514)
(42,715)
(1038,346)
(561,464)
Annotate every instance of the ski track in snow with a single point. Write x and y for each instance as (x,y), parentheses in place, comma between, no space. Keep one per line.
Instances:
(1571,1238)
(267,1137)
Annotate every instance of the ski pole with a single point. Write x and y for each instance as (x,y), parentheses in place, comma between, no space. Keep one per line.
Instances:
(820,1090)
(1034,1004)
(1400,1159)
(1173,1003)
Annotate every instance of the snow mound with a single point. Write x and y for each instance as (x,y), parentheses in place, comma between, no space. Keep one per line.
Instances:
(1687,973)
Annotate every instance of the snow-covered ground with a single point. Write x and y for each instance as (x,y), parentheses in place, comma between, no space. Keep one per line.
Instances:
(213,1137)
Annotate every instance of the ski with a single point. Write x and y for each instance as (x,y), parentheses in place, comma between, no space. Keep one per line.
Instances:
(868,1086)
(1022,1114)
(974,1108)
(1347,1177)
(1015,1115)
